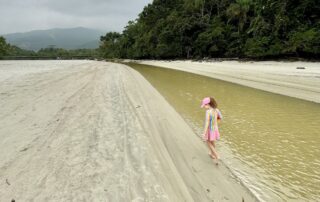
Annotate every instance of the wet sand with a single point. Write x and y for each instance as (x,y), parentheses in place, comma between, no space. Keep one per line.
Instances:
(278,77)
(96,131)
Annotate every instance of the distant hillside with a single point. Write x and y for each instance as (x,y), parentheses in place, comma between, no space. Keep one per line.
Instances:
(70,38)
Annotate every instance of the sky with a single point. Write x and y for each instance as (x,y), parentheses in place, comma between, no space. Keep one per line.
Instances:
(104,15)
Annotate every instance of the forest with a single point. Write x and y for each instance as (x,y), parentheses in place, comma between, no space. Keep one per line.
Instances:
(8,51)
(197,29)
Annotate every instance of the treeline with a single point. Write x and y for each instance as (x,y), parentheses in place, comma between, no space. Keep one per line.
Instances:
(168,29)
(8,51)
(63,53)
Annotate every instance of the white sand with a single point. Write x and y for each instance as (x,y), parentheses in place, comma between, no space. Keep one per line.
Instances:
(95,131)
(277,77)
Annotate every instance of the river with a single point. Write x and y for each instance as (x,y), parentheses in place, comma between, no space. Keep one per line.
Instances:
(270,141)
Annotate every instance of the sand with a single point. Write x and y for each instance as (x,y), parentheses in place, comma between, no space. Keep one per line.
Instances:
(277,77)
(98,131)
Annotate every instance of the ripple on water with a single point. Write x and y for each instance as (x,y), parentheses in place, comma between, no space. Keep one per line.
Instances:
(270,141)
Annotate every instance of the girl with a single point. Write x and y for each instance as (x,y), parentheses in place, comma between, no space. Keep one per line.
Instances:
(211,132)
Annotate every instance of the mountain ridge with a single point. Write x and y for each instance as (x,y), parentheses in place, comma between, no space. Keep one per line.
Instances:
(67,38)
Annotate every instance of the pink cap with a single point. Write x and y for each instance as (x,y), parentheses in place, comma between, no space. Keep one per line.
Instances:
(205,101)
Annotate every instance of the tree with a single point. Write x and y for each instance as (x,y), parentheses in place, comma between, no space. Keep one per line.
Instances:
(220,28)
(305,42)
(4,47)
(110,45)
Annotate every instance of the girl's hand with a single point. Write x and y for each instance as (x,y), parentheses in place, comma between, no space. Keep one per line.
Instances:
(203,137)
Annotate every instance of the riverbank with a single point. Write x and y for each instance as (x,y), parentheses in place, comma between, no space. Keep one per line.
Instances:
(95,131)
(295,79)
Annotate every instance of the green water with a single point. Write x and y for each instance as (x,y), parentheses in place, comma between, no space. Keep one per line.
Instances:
(269,141)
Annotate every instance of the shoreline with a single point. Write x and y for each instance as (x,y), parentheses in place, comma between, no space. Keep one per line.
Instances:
(276,77)
(90,129)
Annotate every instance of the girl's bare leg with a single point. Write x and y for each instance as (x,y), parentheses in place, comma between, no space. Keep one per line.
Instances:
(214,145)
(213,152)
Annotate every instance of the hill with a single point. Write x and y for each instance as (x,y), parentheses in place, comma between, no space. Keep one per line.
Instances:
(215,29)
(69,38)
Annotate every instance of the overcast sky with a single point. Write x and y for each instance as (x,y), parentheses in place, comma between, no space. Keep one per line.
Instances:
(105,15)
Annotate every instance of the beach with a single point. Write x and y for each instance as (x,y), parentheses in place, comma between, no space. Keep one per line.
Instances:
(295,79)
(98,131)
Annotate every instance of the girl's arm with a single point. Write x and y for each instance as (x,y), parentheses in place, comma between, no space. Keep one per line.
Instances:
(206,122)
(219,115)
(215,123)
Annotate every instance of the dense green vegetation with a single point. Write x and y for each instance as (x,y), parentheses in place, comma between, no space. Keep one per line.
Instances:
(8,51)
(4,47)
(62,53)
(219,28)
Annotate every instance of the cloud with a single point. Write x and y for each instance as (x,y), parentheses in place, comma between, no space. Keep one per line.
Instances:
(106,15)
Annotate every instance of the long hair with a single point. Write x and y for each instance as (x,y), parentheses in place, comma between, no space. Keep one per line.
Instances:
(213,103)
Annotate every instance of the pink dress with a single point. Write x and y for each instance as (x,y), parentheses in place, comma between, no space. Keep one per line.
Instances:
(213,131)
